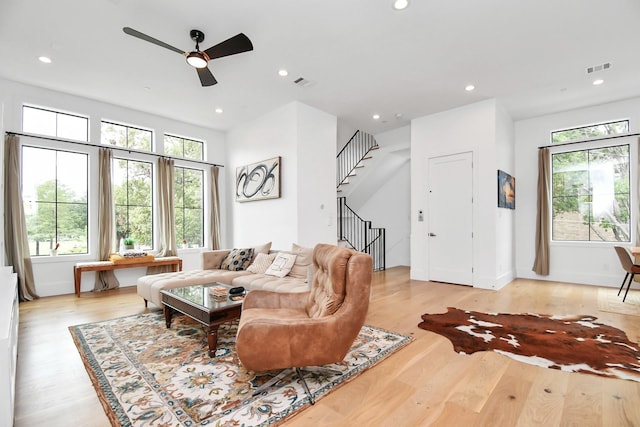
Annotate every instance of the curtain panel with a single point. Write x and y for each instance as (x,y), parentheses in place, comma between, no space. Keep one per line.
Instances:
(214,200)
(15,225)
(541,262)
(106,220)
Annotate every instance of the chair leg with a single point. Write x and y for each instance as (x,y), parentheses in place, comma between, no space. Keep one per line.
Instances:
(628,286)
(306,387)
(623,282)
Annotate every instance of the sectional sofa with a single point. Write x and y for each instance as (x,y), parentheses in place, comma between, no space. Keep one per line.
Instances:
(237,267)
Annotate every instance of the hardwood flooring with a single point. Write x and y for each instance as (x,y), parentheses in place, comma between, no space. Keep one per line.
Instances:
(424,384)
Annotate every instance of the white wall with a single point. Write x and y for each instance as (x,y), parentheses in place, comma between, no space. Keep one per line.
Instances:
(478,128)
(592,263)
(305,139)
(54,276)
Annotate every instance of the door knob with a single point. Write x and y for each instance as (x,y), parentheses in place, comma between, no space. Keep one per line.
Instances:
(432,235)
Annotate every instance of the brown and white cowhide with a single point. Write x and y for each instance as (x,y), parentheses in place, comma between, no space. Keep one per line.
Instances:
(574,344)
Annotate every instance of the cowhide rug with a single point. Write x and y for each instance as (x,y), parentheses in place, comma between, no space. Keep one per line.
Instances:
(574,344)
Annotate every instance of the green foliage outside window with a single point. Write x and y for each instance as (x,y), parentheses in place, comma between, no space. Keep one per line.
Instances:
(183,147)
(188,206)
(588,132)
(591,200)
(125,136)
(132,191)
(55,200)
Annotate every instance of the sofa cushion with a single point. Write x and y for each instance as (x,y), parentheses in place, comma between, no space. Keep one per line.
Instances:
(304,260)
(238,259)
(264,282)
(261,263)
(261,249)
(281,266)
(211,260)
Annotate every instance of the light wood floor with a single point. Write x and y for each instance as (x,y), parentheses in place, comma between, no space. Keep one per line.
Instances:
(424,384)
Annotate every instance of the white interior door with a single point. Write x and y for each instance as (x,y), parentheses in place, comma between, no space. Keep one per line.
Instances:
(450,218)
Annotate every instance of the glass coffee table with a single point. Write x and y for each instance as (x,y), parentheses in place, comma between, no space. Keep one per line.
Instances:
(199,303)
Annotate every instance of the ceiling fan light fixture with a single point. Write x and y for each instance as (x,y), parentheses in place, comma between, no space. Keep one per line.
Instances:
(197,60)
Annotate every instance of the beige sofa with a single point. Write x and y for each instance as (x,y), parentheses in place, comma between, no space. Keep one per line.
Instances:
(297,280)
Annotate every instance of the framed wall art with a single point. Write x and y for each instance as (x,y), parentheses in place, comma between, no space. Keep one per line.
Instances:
(258,181)
(506,190)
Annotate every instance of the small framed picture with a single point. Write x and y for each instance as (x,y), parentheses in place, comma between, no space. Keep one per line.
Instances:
(506,190)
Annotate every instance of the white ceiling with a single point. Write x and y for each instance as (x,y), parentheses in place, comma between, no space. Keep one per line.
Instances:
(363,56)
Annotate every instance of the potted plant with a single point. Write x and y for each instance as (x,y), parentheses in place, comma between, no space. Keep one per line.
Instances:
(54,251)
(129,243)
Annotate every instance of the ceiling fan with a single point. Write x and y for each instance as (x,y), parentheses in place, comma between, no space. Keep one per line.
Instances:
(197,58)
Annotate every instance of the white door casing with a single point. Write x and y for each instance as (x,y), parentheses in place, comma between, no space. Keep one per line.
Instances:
(450,218)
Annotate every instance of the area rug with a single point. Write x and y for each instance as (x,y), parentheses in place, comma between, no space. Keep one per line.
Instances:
(573,344)
(609,301)
(148,375)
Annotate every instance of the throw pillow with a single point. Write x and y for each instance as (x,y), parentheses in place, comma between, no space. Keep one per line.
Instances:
(261,263)
(304,259)
(237,260)
(281,265)
(261,249)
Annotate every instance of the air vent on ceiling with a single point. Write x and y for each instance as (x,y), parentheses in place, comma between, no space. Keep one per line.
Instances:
(302,82)
(599,67)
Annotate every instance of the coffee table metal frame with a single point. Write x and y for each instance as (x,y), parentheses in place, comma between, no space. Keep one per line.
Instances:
(198,303)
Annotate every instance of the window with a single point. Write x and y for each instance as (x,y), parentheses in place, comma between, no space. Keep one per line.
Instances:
(54,193)
(590,195)
(188,205)
(53,123)
(132,193)
(125,136)
(183,147)
(593,131)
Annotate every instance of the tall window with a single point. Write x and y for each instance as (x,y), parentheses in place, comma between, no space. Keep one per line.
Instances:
(132,190)
(54,123)
(591,131)
(590,195)
(188,205)
(125,136)
(54,193)
(183,147)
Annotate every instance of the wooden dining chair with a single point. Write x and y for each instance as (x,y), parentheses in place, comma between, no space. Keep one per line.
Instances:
(629,266)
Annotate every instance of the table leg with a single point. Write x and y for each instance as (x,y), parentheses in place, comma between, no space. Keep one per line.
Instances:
(212,338)
(168,312)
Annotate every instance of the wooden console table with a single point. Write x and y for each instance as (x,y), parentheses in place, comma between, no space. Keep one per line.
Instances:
(81,267)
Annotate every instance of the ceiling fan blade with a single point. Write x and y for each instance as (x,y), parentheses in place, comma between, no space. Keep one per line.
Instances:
(150,39)
(236,44)
(206,78)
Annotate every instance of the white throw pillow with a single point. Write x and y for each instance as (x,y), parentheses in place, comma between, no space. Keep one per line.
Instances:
(261,263)
(281,266)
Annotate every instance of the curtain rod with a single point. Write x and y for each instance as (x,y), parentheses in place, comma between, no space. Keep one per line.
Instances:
(111,147)
(604,138)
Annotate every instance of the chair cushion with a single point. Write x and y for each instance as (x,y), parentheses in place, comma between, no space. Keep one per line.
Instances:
(328,289)
(237,260)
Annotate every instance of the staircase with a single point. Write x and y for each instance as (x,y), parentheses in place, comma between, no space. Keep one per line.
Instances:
(353,231)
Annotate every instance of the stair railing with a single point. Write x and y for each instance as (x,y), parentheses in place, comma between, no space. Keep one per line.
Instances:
(352,154)
(359,235)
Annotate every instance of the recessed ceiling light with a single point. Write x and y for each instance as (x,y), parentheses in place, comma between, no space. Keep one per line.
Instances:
(469,88)
(400,4)
(283,73)
(376,117)
(598,82)
(219,110)
(44,59)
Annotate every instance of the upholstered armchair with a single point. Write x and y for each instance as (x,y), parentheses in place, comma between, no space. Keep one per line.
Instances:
(294,330)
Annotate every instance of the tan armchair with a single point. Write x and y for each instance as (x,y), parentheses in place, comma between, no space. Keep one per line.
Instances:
(294,330)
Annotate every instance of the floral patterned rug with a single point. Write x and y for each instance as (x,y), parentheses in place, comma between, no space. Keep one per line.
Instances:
(146,374)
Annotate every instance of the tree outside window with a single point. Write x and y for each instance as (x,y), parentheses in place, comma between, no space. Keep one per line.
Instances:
(54,193)
(590,195)
(188,205)
(133,190)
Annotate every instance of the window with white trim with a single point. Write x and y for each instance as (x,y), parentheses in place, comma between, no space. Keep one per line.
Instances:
(177,146)
(591,131)
(126,136)
(133,199)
